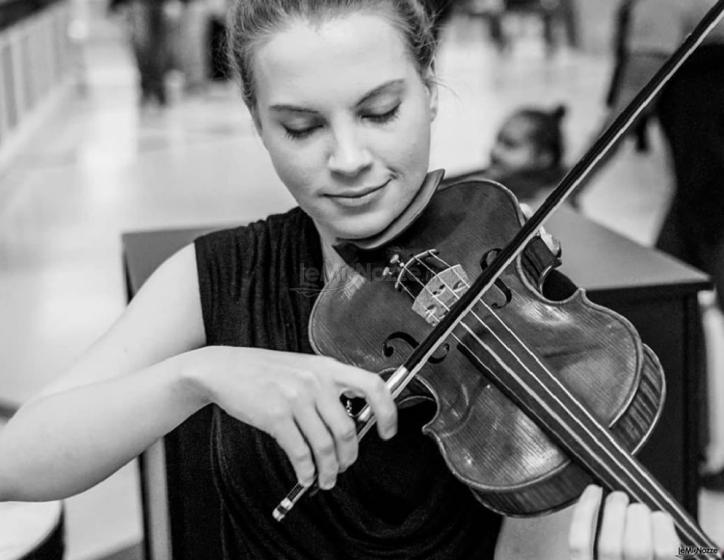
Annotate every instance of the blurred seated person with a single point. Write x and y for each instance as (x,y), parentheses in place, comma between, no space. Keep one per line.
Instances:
(527,156)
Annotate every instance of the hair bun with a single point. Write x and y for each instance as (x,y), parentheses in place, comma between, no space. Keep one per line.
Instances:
(559,112)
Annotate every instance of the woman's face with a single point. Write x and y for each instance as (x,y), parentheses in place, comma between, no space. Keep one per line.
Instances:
(345,117)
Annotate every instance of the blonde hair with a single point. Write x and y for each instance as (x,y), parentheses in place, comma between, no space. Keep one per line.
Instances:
(253,21)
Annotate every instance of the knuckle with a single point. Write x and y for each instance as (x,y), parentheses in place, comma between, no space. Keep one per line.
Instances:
(298,395)
(301,457)
(348,434)
(345,430)
(325,448)
(277,413)
(307,379)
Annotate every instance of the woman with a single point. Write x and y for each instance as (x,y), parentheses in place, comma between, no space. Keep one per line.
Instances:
(342,96)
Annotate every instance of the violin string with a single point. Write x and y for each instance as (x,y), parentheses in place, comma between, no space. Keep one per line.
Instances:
(654,495)
(625,462)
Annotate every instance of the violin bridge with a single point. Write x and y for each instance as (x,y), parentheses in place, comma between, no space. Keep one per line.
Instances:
(440,293)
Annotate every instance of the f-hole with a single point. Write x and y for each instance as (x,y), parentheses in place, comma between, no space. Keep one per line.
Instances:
(389,349)
(488,258)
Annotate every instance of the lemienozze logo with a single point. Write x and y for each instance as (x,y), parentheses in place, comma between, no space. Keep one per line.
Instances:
(697,552)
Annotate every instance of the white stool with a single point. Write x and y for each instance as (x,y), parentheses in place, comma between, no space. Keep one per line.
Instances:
(31,531)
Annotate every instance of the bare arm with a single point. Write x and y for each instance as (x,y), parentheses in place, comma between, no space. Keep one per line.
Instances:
(147,374)
(128,390)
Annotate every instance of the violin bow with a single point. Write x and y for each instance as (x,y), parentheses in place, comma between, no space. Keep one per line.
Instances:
(490,274)
(578,173)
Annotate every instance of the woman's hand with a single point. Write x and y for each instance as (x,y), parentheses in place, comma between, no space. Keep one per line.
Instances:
(628,531)
(296,399)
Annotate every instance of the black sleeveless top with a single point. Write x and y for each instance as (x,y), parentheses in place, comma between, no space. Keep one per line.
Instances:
(257,286)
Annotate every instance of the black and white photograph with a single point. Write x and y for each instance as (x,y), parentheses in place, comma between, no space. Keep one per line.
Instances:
(361,279)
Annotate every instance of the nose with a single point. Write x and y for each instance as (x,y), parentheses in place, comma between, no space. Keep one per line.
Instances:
(349,155)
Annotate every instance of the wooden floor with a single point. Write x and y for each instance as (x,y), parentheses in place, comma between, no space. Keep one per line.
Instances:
(101,167)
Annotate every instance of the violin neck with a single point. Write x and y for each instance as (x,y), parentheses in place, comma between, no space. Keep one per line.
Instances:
(524,378)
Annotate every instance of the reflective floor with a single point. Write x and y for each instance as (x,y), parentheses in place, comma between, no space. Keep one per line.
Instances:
(102,167)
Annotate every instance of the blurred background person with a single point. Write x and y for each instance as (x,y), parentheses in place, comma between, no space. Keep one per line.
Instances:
(219,69)
(148,32)
(528,153)
(551,13)
(194,60)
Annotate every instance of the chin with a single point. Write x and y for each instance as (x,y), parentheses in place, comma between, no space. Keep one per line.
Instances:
(362,227)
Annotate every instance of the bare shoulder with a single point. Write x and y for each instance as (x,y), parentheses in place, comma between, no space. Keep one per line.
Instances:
(535,538)
(163,319)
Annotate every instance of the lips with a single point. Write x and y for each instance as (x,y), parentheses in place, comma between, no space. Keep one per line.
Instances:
(358,192)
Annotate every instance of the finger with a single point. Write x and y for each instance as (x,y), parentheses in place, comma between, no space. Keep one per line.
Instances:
(321,443)
(610,539)
(375,392)
(383,406)
(665,540)
(583,525)
(637,539)
(340,425)
(290,439)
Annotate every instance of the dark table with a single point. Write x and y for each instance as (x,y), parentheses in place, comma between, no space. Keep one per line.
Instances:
(14,11)
(655,292)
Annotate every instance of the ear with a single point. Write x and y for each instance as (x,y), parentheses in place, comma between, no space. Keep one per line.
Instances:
(431,84)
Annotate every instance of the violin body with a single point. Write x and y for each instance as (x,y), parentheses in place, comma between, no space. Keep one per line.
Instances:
(373,315)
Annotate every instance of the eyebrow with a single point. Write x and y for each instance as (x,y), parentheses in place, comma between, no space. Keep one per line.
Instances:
(366,97)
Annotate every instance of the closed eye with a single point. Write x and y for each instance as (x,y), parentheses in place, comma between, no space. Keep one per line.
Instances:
(383,117)
(377,118)
(299,133)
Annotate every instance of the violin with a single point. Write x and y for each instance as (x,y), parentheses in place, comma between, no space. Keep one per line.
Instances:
(535,397)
